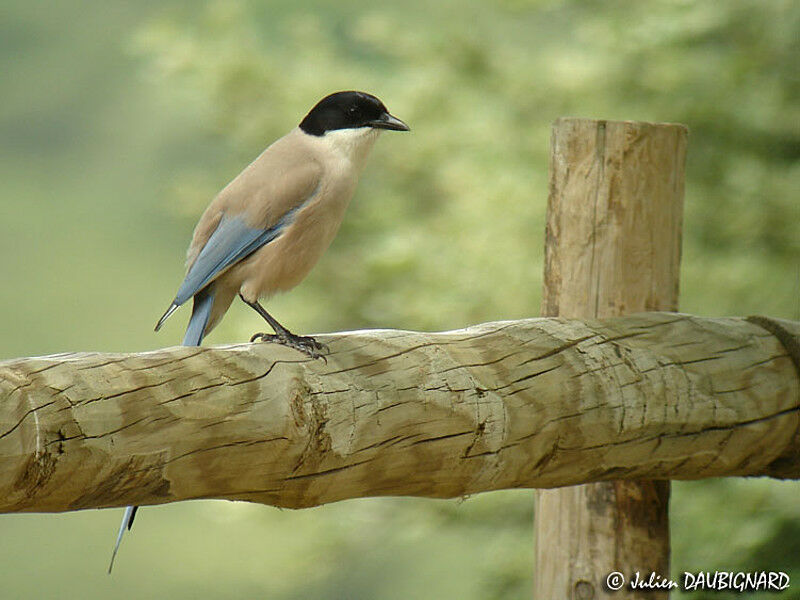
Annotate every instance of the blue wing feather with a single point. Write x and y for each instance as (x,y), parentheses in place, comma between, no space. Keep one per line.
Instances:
(232,241)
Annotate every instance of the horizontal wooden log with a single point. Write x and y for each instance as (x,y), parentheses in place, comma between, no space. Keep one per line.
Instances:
(517,404)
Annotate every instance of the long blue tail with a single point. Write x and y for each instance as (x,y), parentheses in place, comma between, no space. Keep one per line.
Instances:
(127,523)
(201,313)
(196,330)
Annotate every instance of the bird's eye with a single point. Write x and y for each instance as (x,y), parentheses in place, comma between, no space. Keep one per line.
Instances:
(353,110)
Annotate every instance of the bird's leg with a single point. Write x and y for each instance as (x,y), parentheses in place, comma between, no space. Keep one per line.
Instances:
(305,344)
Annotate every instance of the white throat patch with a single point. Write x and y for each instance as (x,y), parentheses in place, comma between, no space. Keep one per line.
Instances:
(352,145)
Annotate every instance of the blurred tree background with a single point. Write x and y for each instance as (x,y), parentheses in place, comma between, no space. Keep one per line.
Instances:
(120,121)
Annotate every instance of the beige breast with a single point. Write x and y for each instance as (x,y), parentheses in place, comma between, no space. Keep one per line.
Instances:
(283,263)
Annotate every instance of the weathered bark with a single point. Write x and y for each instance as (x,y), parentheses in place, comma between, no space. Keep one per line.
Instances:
(613,246)
(533,403)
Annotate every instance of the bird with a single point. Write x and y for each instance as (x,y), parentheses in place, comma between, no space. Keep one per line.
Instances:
(269,226)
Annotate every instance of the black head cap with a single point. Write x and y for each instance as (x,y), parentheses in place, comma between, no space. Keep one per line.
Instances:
(349,110)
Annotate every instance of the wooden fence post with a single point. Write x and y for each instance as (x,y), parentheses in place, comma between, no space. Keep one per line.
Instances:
(613,241)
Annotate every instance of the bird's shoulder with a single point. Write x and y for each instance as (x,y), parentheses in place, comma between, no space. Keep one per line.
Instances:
(282,176)
(279,180)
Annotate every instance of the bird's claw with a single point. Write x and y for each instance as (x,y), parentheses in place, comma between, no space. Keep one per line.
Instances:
(302,343)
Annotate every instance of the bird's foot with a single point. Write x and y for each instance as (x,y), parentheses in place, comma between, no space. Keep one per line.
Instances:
(302,343)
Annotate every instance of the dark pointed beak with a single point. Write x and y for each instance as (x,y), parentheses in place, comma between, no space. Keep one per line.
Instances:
(387,121)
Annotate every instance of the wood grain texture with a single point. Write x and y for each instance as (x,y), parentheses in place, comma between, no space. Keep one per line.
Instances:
(614,218)
(533,403)
(613,244)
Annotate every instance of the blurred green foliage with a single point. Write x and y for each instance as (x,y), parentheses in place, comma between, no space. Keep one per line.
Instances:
(120,121)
